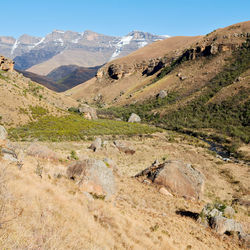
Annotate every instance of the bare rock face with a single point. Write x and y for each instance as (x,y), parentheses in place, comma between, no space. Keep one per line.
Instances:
(88,112)
(177,177)
(3,133)
(6,64)
(96,145)
(41,151)
(93,176)
(134,118)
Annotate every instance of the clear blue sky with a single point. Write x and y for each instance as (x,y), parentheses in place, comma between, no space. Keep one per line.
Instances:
(119,17)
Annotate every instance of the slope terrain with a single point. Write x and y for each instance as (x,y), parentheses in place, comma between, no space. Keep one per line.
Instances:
(205,81)
(23,100)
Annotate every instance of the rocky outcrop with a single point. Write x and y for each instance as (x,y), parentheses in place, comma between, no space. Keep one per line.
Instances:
(93,176)
(6,64)
(88,112)
(177,177)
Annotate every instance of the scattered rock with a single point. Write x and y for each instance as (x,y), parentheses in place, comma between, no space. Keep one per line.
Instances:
(96,145)
(222,225)
(88,112)
(3,133)
(178,178)
(93,176)
(162,94)
(134,118)
(164,191)
(6,64)
(42,151)
(124,148)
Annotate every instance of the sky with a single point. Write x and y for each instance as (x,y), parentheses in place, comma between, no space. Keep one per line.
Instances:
(119,17)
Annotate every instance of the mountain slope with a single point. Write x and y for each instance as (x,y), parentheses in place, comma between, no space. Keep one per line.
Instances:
(22,100)
(206,81)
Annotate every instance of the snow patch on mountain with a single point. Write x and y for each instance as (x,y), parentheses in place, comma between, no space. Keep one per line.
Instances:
(123,41)
(14,47)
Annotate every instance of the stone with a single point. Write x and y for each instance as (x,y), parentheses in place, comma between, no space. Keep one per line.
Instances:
(88,112)
(96,145)
(134,118)
(3,133)
(229,212)
(164,191)
(6,64)
(42,151)
(93,176)
(177,177)
(162,94)
(123,148)
(9,155)
(222,225)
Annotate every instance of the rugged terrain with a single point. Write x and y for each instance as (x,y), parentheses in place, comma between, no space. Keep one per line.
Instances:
(41,55)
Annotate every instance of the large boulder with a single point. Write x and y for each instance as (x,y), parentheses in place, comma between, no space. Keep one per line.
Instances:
(134,118)
(3,133)
(162,94)
(177,177)
(93,176)
(88,112)
(42,151)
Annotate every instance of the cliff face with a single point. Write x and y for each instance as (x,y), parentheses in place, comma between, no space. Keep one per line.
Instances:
(6,64)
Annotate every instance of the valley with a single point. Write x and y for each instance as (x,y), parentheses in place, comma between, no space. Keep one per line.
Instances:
(113,142)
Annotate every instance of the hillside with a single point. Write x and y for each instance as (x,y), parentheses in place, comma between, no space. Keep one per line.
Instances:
(64,77)
(204,81)
(27,100)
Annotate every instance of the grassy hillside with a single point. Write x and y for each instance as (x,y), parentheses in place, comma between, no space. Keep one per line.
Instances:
(229,117)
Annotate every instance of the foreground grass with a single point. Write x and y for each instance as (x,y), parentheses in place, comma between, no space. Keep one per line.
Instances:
(75,127)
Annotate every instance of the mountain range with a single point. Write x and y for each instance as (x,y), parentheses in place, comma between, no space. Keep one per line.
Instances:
(41,55)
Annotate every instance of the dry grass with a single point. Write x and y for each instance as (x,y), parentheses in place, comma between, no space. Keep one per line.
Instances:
(57,215)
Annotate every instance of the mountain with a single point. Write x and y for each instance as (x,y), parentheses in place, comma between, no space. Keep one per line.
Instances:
(64,77)
(41,55)
(205,80)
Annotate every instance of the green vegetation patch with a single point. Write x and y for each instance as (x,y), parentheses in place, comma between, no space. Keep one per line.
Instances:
(38,111)
(75,127)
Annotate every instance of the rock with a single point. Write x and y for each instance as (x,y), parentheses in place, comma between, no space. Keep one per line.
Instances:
(123,148)
(42,151)
(110,164)
(9,155)
(3,133)
(93,176)
(6,64)
(164,191)
(88,112)
(96,145)
(229,212)
(162,94)
(134,118)
(222,225)
(178,178)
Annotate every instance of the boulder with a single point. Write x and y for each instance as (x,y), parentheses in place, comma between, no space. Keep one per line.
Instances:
(177,177)
(222,225)
(42,151)
(162,94)
(134,118)
(3,133)
(123,148)
(96,145)
(6,64)
(88,112)
(93,176)
(9,155)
